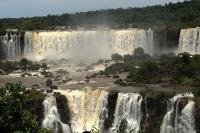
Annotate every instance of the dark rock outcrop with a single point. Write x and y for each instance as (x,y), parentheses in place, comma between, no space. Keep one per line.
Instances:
(63,108)
(154,109)
(112,100)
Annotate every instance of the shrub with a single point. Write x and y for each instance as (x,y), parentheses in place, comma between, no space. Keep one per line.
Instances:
(196,81)
(44,66)
(116,57)
(185,81)
(138,51)
(16,110)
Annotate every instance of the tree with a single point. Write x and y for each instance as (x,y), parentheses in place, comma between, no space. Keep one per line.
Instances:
(184,58)
(25,64)
(16,112)
(184,66)
(44,66)
(174,15)
(147,73)
(139,51)
(116,57)
(28,25)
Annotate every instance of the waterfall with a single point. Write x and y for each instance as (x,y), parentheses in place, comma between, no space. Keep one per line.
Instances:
(11,46)
(87,108)
(189,41)
(183,122)
(104,113)
(128,112)
(187,118)
(146,108)
(79,45)
(52,118)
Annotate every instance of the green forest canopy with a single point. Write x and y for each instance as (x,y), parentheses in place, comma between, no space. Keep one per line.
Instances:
(178,15)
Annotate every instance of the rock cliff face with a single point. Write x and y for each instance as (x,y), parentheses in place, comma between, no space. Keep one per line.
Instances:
(165,41)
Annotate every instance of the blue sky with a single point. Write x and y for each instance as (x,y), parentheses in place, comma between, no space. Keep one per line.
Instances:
(25,8)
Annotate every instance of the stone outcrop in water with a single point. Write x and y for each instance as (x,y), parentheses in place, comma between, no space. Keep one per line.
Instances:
(154,108)
(63,108)
(111,106)
(189,41)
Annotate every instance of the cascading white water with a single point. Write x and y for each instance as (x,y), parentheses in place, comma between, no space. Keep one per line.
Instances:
(80,45)
(104,113)
(189,41)
(11,46)
(129,109)
(52,118)
(187,119)
(174,122)
(146,109)
(87,108)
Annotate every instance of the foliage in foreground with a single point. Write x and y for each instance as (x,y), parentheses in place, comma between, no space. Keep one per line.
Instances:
(17,110)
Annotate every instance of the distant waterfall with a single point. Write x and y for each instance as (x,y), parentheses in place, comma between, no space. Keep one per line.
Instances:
(183,122)
(128,112)
(52,118)
(11,46)
(189,41)
(80,45)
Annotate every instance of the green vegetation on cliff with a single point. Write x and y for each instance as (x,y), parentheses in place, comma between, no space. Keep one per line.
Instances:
(19,110)
(179,15)
(182,69)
